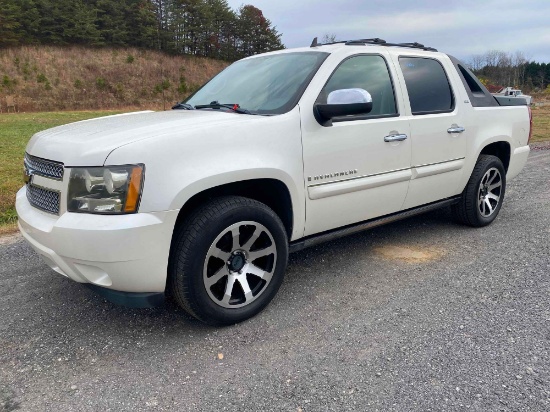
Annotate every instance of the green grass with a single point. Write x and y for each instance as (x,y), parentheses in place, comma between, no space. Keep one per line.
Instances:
(15,132)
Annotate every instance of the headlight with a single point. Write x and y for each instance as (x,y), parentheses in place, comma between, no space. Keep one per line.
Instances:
(108,190)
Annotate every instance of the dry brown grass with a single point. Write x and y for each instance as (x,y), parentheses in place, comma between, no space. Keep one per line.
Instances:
(45,78)
(541,123)
(5,230)
(540,97)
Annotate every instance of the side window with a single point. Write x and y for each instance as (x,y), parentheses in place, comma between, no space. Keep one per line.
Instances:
(427,84)
(364,72)
(470,81)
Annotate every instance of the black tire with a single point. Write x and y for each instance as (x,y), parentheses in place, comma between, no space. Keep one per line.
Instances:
(193,241)
(468,209)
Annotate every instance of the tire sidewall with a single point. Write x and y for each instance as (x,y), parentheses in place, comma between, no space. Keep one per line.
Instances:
(203,305)
(497,164)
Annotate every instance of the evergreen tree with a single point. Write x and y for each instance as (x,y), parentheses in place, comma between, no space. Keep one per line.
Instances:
(160,8)
(111,21)
(30,21)
(255,34)
(82,27)
(52,23)
(142,24)
(221,21)
(10,26)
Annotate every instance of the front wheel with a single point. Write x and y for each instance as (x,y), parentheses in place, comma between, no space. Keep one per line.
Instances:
(483,196)
(228,260)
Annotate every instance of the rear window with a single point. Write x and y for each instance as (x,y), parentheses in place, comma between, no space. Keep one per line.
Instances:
(427,85)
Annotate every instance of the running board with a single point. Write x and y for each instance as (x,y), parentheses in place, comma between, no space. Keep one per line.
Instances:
(369,224)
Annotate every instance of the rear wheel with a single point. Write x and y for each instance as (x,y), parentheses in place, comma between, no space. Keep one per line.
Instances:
(228,260)
(483,196)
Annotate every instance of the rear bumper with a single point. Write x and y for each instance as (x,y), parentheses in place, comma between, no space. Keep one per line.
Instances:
(517,161)
(127,253)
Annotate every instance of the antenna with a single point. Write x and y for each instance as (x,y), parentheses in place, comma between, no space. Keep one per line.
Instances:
(314,43)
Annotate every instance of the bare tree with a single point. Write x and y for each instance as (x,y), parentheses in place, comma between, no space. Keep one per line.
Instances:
(477,62)
(519,62)
(505,69)
(329,38)
(541,78)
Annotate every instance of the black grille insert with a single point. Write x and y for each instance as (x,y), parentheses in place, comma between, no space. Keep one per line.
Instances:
(44,199)
(43,167)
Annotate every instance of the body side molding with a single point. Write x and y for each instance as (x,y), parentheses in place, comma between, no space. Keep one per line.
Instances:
(359,183)
(437,168)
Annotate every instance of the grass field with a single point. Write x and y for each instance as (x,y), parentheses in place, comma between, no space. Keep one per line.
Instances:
(16,130)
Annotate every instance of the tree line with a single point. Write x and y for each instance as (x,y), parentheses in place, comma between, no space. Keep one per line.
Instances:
(208,28)
(511,69)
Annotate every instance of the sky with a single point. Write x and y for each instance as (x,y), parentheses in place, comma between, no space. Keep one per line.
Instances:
(461,28)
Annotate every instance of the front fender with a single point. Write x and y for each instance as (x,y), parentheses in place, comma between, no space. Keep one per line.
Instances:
(190,160)
(234,176)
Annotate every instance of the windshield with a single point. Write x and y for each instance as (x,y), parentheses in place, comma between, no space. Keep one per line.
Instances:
(270,84)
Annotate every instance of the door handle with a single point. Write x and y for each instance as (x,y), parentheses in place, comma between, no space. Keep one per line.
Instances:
(455,129)
(395,138)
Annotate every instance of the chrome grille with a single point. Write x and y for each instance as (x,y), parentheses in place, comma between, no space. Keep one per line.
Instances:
(46,168)
(44,199)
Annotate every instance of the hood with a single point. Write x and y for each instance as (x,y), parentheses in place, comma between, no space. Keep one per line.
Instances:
(89,142)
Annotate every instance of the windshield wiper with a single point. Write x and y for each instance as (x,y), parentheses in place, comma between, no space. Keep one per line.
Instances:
(217,105)
(183,106)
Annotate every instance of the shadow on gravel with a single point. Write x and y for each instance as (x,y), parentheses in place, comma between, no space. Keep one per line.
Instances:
(412,230)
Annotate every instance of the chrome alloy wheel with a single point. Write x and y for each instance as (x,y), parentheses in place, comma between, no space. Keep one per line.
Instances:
(490,190)
(239,264)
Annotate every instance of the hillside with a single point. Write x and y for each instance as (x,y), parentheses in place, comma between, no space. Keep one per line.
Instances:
(48,78)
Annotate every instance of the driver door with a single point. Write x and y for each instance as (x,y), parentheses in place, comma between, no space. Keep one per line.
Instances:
(358,167)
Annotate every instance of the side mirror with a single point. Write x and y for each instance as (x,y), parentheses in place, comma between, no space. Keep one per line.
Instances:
(343,102)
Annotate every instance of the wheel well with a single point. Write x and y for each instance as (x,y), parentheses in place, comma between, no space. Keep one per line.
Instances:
(500,150)
(271,192)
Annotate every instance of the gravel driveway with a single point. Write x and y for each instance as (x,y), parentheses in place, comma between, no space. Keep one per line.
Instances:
(422,314)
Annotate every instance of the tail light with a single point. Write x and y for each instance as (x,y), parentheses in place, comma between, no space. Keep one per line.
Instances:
(530,124)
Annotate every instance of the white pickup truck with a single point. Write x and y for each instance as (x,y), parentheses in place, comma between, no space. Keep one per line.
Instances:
(278,152)
(510,93)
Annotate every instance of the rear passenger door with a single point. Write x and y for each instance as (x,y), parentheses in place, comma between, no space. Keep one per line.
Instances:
(438,135)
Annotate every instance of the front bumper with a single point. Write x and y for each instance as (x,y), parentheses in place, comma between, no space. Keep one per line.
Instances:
(124,253)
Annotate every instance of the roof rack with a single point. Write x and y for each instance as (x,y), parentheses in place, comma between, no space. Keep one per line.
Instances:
(376,41)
